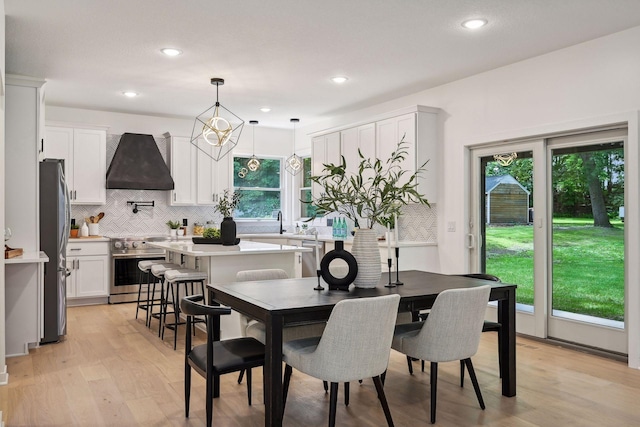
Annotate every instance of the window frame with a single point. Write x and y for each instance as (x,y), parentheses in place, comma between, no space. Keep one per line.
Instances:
(281,189)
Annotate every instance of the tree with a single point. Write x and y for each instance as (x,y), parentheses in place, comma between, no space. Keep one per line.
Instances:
(598,204)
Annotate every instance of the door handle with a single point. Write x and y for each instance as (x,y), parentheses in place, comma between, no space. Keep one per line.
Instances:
(472,241)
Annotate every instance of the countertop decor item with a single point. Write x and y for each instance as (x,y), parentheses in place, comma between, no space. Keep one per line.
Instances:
(339,282)
(210,241)
(373,195)
(173,227)
(75,229)
(227,204)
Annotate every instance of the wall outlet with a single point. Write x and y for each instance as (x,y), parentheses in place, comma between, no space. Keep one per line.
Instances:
(451,226)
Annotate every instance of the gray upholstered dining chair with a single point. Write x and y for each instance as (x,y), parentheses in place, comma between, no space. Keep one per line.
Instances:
(354,345)
(451,332)
(487,326)
(256,329)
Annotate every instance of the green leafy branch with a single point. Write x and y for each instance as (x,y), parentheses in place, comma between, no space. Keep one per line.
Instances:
(375,193)
(228,202)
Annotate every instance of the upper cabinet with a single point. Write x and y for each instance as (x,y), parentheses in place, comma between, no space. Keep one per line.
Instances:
(213,176)
(84,152)
(197,177)
(379,139)
(182,164)
(23,134)
(361,138)
(324,149)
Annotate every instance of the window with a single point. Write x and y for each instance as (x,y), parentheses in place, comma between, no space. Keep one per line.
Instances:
(261,190)
(306,210)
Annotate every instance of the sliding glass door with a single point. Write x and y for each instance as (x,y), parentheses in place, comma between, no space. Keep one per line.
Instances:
(548,215)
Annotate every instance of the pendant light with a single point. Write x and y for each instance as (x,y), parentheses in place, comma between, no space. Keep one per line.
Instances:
(505,159)
(253,164)
(217,126)
(293,164)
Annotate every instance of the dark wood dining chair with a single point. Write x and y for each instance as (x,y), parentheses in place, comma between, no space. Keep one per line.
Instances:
(215,358)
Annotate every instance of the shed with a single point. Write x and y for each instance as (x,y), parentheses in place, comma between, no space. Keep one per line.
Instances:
(507,201)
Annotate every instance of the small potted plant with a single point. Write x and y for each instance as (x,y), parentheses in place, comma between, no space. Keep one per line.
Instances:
(75,228)
(227,204)
(173,225)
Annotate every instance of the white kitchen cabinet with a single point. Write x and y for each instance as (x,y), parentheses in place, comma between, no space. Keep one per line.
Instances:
(22,148)
(89,265)
(324,149)
(84,152)
(389,133)
(378,139)
(420,131)
(198,179)
(182,164)
(362,138)
(24,287)
(213,176)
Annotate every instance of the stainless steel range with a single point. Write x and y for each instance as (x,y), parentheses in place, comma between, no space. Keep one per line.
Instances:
(126,252)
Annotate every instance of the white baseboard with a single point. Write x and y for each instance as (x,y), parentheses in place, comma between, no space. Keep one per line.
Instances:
(4,380)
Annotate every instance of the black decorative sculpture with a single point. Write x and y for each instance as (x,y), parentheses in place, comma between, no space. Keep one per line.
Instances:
(339,283)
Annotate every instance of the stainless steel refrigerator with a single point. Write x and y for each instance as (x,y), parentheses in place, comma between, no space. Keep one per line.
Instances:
(55,221)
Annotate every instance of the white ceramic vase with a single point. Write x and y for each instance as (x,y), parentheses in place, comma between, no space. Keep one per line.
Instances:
(365,251)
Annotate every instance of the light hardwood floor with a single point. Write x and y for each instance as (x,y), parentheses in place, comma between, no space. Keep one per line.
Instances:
(112,370)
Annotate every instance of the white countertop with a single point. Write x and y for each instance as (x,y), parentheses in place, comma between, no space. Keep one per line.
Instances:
(325,238)
(27,258)
(89,239)
(243,248)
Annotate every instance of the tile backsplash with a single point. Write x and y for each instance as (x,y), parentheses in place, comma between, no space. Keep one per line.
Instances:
(417,223)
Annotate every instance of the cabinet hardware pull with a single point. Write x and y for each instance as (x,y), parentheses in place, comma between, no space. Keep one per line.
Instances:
(174,196)
(75,249)
(42,145)
(78,264)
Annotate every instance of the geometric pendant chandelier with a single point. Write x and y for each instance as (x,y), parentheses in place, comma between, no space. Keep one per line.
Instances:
(505,159)
(253,164)
(217,127)
(293,164)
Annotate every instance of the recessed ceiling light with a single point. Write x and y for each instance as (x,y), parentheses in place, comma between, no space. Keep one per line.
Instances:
(169,51)
(130,94)
(265,109)
(473,24)
(339,79)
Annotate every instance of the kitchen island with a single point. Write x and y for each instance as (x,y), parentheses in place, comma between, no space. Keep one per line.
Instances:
(221,263)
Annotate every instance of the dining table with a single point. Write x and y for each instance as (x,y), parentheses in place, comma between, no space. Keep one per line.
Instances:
(295,301)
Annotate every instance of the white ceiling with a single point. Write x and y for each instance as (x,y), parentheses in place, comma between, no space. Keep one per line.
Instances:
(282,53)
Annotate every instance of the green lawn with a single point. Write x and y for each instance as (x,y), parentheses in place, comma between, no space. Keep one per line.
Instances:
(588,265)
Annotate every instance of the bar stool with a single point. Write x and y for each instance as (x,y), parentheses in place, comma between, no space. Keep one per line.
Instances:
(158,270)
(147,304)
(174,278)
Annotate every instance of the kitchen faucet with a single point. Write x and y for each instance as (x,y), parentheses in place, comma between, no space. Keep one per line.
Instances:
(280,219)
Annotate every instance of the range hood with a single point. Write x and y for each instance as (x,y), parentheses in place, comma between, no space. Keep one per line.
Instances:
(138,165)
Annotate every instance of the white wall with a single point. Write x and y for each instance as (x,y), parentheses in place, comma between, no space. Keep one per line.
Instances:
(3,367)
(590,84)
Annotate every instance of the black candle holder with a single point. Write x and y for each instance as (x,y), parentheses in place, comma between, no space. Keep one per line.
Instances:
(319,287)
(390,284)
(398,282)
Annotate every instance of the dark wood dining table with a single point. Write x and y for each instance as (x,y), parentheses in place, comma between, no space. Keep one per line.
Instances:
(294,301)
